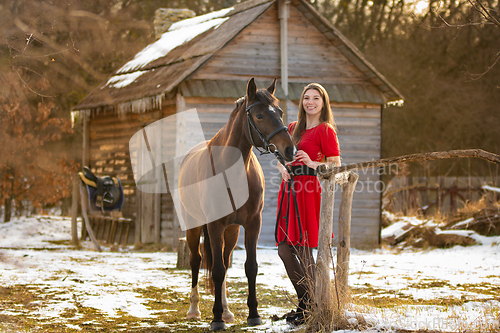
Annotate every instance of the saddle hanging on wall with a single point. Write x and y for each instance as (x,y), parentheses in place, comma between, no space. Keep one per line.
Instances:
(105,193)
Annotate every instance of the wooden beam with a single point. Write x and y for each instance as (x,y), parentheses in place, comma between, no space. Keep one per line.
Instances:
(86,139)
(284,14)
(85,205)
(157,195)
(325,172)
(74,210)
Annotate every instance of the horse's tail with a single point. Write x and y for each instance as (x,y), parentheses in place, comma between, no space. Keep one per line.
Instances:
(207,258)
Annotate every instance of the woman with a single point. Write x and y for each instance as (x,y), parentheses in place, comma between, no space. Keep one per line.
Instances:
(315,135)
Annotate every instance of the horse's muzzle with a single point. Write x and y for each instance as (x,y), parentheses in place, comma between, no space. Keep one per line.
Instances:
(289,152)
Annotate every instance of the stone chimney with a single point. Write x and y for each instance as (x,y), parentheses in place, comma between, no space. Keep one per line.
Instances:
(165,17)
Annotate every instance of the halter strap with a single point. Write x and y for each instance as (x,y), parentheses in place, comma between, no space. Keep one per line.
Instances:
(265,140)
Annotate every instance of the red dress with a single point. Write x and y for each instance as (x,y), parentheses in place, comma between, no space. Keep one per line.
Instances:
(318,142)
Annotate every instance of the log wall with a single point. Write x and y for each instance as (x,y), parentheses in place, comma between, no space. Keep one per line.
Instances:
(109,153)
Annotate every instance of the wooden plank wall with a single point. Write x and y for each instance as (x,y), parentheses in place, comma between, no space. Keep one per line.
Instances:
(170,230)
(255,52)
(359,136)
(313,58)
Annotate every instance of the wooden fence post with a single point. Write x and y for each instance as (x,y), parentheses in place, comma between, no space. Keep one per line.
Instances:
(322,290)
(344,237)
(74,211)
(85,205)
(324,300)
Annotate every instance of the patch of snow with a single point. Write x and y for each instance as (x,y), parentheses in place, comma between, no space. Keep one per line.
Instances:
(466,233)
(128,302)
(395,230)
(36,231)
(490,188)
(199,19)
(178,34)
(123,80)
(74,327)
(463,223)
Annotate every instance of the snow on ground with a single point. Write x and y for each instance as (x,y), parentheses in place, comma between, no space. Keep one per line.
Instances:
(440,289)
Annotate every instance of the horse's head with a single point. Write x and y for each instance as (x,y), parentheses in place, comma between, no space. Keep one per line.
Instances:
(265,122)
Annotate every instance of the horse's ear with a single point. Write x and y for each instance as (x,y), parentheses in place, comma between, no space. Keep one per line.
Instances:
(251,90)
(272,87)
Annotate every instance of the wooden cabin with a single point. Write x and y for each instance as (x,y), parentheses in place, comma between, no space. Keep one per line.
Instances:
(208,69)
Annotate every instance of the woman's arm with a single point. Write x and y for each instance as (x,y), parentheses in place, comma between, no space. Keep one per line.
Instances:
(303,157)
(334,159)
(284,173)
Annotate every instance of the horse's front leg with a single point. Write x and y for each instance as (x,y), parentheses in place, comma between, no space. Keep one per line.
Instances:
(218,275)
(251,237)
(230,239)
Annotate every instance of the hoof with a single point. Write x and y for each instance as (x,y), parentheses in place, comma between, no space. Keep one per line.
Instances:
(218,326)
(194,315)
(254,321)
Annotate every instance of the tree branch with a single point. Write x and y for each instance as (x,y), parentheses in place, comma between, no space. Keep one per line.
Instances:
(26,29)
(484,12)
(326,172)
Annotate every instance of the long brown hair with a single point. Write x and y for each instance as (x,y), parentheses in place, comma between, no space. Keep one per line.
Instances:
(326,115)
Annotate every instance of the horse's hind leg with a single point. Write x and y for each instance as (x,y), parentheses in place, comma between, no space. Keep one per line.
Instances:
(216,233)
(193,240)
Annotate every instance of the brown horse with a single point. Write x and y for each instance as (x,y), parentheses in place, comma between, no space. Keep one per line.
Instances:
(255,121)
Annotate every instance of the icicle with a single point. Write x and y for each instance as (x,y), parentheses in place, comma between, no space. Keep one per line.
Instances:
(141,105)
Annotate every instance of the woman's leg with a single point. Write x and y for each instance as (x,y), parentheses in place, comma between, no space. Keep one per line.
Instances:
(293,267)
(308,265)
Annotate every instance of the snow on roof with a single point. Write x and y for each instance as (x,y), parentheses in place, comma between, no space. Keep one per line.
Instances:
(120,81)
(178,34)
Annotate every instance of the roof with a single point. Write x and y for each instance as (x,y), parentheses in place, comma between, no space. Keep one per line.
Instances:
(163,65)
(341,93)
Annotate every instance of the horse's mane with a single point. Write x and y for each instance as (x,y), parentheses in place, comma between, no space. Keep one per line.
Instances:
(262,96)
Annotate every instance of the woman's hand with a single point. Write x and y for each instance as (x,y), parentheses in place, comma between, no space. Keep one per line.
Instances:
(284,173)
(302,156)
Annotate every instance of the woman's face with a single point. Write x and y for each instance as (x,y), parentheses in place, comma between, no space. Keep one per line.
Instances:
(313,102)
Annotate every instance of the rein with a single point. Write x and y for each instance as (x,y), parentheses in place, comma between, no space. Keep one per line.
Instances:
(291,191)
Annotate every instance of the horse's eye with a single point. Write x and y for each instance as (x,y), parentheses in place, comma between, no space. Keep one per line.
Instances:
(260,117)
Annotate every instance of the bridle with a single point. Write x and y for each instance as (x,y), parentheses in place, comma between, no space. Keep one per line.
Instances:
(263,138)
